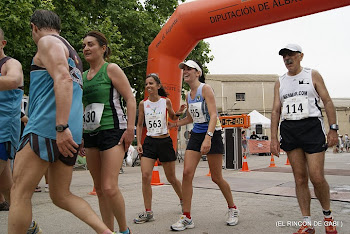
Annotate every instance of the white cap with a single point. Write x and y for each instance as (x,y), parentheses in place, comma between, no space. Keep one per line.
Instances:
(291,47)
(191,63)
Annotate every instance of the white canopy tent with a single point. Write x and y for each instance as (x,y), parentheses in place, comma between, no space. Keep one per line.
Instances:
(257,118)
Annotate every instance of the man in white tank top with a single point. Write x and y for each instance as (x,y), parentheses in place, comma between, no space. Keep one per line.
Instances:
(297,96)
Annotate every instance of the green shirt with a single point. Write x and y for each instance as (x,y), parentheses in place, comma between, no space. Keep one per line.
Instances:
(101,90)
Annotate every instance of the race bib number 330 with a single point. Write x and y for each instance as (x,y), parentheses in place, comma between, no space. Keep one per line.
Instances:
(295,108)
(92,116)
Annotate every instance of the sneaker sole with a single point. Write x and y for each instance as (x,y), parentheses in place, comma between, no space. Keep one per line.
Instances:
(181,229)
(232,224)
(145,221)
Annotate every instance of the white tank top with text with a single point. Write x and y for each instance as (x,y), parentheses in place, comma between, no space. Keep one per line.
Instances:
(298,96)
(156,117)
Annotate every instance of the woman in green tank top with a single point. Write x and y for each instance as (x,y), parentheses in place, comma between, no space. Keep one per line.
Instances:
(108,130)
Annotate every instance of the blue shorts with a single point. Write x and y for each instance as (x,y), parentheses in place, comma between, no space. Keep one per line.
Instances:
(46,149)
(7,151)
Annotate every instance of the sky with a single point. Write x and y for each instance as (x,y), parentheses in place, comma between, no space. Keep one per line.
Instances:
(324,38)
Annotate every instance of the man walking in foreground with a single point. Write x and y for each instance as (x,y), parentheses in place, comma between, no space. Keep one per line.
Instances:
(296,102)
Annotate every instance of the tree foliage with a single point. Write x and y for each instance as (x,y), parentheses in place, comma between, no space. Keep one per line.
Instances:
(129,25)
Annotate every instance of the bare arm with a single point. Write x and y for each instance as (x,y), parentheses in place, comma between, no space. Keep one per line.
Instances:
(275,118)
(122,85)
(11,75)
(208,95)
(188,119)
(332,136)
(139,127)
(170,109)
(53,54)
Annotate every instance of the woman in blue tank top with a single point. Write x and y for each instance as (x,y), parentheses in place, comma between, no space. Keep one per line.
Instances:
(205,140)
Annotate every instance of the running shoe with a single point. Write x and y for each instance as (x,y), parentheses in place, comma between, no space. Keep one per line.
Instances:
(34,229)
(232,218)
(123,232)
(37,189)
(330,226)
(304,229)
(143,217)
(5,206)
(182,224)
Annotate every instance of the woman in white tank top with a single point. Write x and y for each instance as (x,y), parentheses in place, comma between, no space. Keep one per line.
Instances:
(158,145)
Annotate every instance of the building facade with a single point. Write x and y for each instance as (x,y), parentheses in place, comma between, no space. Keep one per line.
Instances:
(242,93)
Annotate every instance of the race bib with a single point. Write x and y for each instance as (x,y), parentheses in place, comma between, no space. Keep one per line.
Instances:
(154,123)
(295,108)
(92,116)
(197,113)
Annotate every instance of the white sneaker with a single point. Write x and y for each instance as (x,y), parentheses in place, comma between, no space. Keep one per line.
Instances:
(232,219)
(143,217)
(182,224)
(47,190)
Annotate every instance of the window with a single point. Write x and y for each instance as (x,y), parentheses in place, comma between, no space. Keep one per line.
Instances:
(240,96)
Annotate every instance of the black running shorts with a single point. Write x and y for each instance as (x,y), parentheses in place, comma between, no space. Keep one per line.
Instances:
(307,134)
(161,148)
(104,139)
(196,140)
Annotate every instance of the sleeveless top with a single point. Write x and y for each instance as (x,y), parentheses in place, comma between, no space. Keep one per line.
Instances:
(198,109)
(298,96)
(156,117)
(103,104)
(42,101)
(10,112)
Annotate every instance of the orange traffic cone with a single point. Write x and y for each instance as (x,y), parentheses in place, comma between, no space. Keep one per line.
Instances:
(155,175)
(209,173)
(287,163)
(272,162)
(93,192)
(245,165)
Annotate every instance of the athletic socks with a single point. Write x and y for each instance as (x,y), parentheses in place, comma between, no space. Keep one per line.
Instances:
(327,213)
(232,207)
(126,232)
(32,224)
(307,220)
(188,214)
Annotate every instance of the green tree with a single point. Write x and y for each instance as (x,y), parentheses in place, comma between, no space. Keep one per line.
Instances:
(129,26)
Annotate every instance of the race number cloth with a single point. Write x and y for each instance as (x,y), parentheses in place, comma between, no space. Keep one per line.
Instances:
(295,108)
(196,111)
(92,116)
(156,117)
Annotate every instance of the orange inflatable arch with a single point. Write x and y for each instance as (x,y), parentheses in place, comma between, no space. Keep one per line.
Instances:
(197,20)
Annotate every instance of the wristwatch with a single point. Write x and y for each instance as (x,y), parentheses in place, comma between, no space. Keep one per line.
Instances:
(210,134)
(61,128)
(334,127)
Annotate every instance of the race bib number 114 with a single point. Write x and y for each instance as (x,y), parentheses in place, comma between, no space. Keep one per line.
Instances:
(295,108)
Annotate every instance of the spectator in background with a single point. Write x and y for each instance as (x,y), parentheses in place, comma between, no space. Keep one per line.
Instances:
(244,143)
(346,142)
(254,136)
